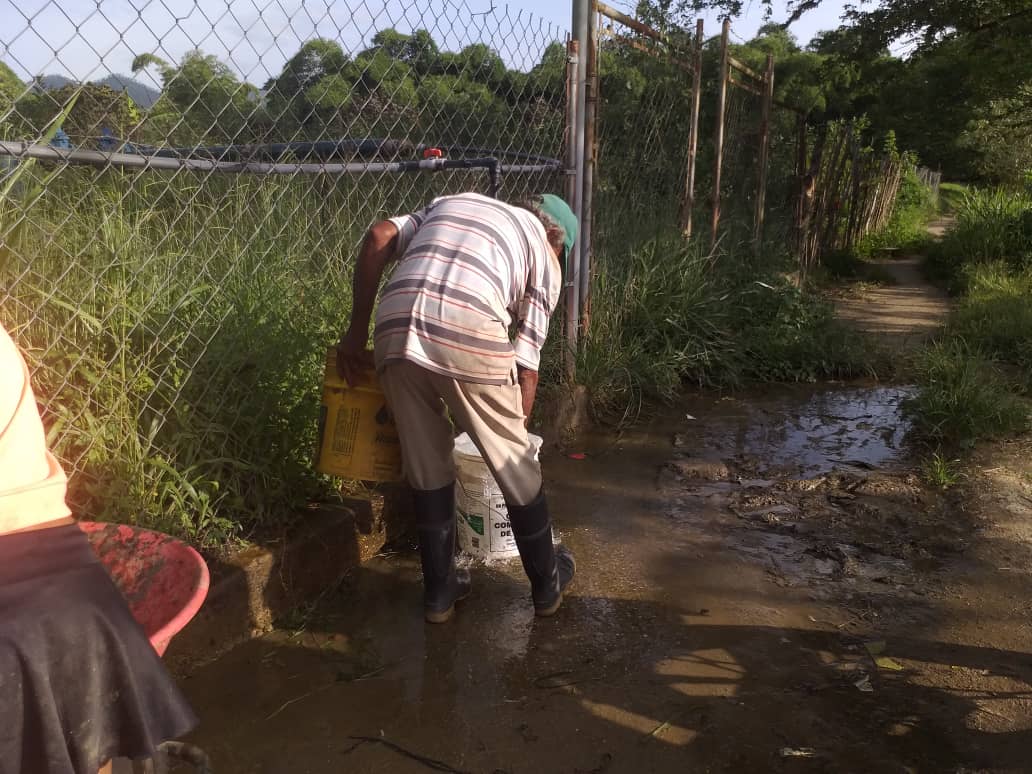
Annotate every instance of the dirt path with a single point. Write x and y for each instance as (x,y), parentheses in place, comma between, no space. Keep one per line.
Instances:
(909,309)
(764,586)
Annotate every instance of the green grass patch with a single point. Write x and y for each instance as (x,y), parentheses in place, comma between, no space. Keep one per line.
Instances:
(941,472)
(976,380)
(670,314)
(951,196)
(964,396)
(997,314)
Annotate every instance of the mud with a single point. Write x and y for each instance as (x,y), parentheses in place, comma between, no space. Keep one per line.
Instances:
(765,584)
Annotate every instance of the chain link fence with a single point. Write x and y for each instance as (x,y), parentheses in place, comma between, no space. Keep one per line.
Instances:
(644,126)
(176,244)
(182,192)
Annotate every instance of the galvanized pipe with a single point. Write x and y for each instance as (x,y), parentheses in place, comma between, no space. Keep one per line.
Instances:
(104,159)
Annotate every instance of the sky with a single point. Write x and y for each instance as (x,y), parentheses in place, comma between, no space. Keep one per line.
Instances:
(88,39)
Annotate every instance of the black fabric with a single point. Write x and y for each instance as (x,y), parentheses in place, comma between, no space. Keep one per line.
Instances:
(532,519)
(532,527)
(79,682)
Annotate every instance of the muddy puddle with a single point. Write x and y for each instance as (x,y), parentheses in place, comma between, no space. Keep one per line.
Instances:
(816,485)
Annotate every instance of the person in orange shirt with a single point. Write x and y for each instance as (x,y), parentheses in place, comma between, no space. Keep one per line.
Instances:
(79,682)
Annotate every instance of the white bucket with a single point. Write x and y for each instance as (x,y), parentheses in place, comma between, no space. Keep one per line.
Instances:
(483,519)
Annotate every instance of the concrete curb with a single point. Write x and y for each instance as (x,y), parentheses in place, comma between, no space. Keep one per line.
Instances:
(260,584)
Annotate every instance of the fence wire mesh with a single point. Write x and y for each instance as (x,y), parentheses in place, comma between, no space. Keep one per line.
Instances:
(740,179)
(175,246)
(644,121)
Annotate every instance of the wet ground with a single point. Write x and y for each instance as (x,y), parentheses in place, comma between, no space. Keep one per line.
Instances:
(764,585)
(908,308)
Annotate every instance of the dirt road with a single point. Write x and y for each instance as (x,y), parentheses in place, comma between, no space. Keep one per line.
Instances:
(909,310)
(764,585)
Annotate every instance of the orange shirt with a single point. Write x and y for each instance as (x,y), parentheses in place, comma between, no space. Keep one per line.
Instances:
(32,484)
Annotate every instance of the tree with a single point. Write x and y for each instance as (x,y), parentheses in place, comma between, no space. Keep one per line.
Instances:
(477,62)
(964,60)
(287,94)
(459,110)
(16,102)
(215,104)
(1002,144)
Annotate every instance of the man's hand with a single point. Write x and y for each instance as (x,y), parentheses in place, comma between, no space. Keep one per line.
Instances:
(528,388)
(353,359)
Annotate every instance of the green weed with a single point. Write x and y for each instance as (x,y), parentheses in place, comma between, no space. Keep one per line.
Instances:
(951,196)
(997,313)
(941,472)
(905,233)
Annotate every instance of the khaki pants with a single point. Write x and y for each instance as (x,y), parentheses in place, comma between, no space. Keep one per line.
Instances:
(492,415)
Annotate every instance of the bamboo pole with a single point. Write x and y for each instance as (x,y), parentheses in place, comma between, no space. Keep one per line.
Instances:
(761,185)
(718,140)
(693,133)
(741,66)
(629,21)
(803,186)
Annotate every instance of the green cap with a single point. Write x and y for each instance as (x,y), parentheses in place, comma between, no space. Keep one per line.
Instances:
(559,211)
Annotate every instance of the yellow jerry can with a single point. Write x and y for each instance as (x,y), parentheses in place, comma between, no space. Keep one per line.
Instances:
(357,436)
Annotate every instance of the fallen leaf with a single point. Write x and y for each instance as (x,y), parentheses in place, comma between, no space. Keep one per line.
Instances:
(884,662)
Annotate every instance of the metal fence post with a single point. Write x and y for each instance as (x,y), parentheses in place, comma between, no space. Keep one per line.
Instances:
(761,190)
(718,138)
(693,133)
(587,197)
(571,192)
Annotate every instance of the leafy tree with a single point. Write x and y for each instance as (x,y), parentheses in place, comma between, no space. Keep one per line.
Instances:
(214,103)
(99,116)
(460,110)
(287,95)
(477,62)
(16,103)
(1002,142)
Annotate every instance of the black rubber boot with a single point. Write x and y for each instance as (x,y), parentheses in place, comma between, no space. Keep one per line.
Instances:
(443,585)
(550,570)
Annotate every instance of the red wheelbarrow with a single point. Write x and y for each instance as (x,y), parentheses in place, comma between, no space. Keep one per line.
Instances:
(164,581)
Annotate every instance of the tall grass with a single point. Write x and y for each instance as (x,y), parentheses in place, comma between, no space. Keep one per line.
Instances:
(996,312)
(669,314)
(964,396)
(951,196)
(975,381)
(176,327)
(992,225)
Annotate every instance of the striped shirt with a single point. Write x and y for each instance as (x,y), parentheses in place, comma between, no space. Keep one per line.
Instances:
(470,269)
